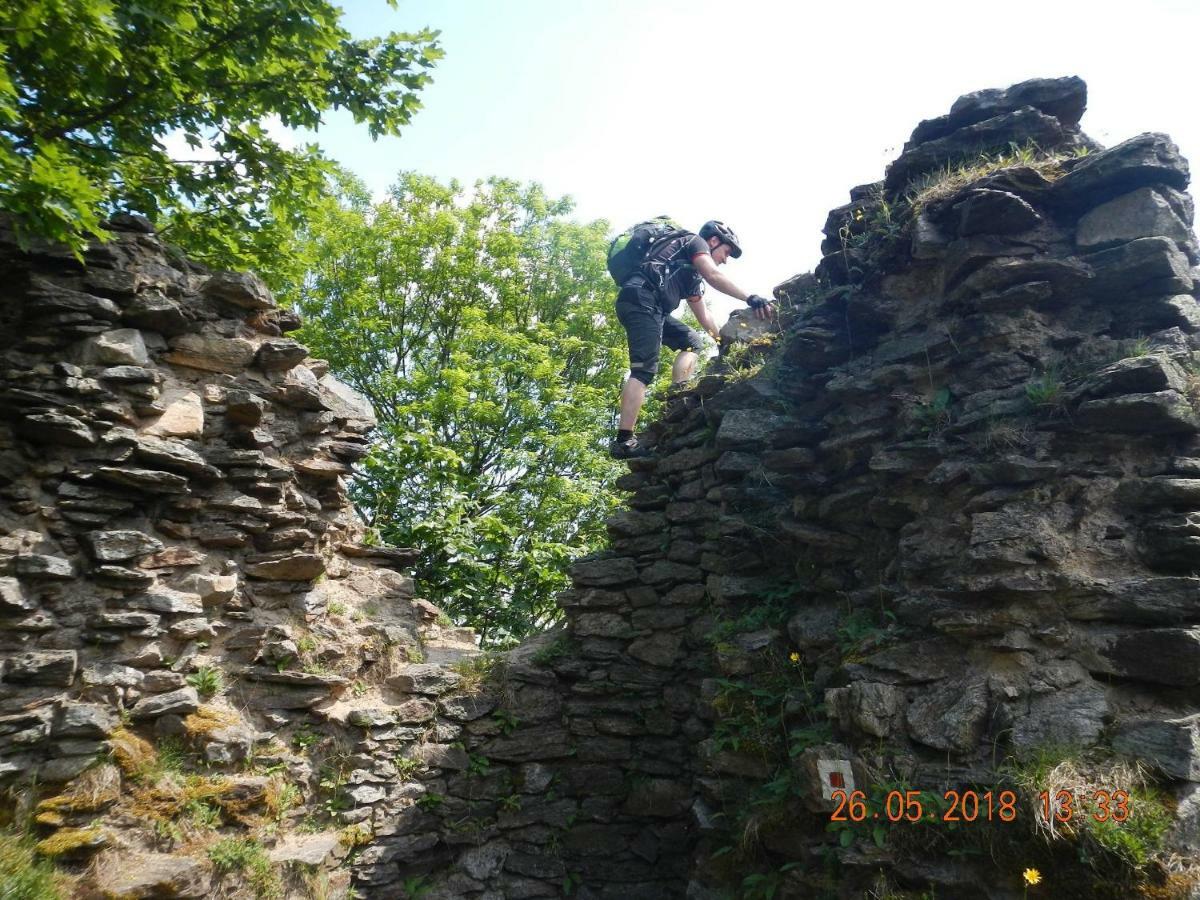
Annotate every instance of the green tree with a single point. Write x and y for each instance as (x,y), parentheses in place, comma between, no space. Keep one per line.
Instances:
(480,326)
(90,91)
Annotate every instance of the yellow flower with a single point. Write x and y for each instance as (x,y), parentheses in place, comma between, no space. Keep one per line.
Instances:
(794,657)
(859,215)
(1032,876)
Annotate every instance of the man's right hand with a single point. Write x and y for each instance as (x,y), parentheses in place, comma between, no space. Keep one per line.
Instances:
(761,305)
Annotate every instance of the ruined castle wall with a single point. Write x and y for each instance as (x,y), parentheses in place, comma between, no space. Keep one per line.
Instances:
(942,519)
(182,577)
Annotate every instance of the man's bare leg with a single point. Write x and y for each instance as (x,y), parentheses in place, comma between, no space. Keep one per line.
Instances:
(685,365)
(633,395)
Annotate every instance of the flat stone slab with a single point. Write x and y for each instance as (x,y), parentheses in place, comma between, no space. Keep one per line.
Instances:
(179,703)
(1147,159)
(150,481)
(244,289)
(1172,745)
(1015,127)
(134,876)
(1145,212)
(1162,412)
(424,678)
(280,354)
(118,546)
(296,679)
(604,572)
(211,354)
(53,668)
(1063,98)
(55,428)
(324,849)
(394,557)
(295,567)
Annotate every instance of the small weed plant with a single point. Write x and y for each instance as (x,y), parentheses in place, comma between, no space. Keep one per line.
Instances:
(207,680)
(506,720)
(304,738)
(1047,392)
(554,651)
(934,414)
(203,815)
(405,767)
(416,887)
(431,802)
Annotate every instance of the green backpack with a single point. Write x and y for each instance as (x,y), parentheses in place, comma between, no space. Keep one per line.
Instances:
(630,249)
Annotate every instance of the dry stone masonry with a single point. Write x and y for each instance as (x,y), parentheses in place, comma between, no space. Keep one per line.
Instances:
(936,530)
(196,644)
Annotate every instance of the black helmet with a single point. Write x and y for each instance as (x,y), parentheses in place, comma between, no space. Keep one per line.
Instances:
(713,228)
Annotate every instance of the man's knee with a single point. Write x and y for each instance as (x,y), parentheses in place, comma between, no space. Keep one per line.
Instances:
(645,376)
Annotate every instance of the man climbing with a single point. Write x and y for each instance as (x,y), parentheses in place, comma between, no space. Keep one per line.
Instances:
(675,264)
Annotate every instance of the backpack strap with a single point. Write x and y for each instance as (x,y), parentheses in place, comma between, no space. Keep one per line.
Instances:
(658,265)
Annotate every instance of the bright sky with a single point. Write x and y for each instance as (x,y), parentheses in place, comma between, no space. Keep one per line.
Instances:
(762,114)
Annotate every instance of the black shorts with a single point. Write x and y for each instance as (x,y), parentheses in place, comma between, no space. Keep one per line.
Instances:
(648,328)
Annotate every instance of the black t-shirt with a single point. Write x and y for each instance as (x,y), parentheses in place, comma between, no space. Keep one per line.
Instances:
(684,281)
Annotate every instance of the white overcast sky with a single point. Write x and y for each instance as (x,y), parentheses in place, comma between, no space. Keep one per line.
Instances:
(762,114)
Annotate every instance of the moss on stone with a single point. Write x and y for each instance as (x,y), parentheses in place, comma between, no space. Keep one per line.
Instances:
(135,755)
(72,842)
(207,719)
(95,789)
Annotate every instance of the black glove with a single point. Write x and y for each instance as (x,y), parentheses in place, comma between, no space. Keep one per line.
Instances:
(756,302)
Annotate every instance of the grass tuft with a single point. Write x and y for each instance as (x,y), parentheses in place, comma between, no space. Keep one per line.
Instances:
(1046,391)
(952,177)
(1114,806)
(25,877)
(475,671)
(247,857)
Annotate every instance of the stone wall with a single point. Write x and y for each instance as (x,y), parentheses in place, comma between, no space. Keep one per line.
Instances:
(196,645)
(942,521)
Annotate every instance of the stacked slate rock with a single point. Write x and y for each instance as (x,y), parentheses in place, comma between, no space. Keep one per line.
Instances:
(173,483)
(1000,401)
(575,771)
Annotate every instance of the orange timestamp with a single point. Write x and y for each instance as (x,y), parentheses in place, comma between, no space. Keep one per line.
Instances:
(978,806)
(1105,806)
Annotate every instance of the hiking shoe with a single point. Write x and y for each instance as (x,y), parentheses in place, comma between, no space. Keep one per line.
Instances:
(629,449)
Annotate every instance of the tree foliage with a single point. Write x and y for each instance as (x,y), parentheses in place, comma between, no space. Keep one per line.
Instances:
(480,325)
(93,93)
